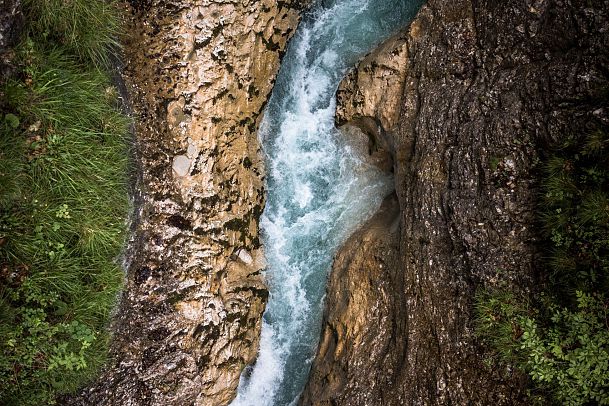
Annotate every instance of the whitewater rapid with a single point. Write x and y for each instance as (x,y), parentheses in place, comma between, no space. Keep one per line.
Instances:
(319,187)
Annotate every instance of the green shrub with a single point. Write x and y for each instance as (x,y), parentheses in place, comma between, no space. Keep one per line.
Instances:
(566,356)
(570,358)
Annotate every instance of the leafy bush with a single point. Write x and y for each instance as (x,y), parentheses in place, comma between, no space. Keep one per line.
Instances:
(566,356)
(570,358)
(63,205)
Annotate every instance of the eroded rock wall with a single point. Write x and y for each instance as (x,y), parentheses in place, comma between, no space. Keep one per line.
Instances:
(483,88)
(198,73)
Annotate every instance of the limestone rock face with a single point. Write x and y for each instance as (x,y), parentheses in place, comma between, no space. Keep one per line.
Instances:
(198,74)
(371,94)
(487,87)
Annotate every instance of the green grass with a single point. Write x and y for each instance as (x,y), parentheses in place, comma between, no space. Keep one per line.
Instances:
(500,318)
(85,28)
(561,338)
(63,202)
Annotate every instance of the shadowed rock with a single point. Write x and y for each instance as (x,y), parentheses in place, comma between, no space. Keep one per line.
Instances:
(11,25)
(466,101)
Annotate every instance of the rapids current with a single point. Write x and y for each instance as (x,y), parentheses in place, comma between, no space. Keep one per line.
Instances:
(319,187)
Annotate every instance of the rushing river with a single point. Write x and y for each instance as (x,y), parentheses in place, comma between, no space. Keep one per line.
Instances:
(319,189)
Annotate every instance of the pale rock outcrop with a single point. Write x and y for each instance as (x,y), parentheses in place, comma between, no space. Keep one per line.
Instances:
(370,96)
(198,74)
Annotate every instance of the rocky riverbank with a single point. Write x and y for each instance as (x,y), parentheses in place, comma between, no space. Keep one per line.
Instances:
(465,101)
(189,319)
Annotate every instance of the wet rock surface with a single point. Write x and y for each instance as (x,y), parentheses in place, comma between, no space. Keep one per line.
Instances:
(487,87)
(370,96)
(198,75)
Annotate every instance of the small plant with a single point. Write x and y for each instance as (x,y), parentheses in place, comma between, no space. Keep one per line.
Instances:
(12,120)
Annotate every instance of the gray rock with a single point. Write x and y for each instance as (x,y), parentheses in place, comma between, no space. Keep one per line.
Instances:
(11,25)
(181,165)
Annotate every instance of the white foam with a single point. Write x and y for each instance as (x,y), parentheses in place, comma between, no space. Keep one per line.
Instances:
(259,388)
(303,194)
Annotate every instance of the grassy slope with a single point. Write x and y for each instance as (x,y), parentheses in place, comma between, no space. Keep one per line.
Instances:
(63,201)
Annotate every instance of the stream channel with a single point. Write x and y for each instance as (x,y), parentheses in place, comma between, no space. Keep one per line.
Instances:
(319,187)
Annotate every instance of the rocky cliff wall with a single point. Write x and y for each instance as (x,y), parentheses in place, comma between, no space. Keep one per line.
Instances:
(466,100)
(198,74)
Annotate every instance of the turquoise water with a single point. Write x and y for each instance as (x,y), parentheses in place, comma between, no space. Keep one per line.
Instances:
(319,188)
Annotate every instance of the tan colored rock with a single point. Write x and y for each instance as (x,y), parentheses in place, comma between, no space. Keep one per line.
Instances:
(371,95)
(198,74)
(360,321)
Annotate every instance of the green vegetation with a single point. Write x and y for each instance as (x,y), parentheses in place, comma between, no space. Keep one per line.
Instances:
(561,339)
(63,201)
(85,28)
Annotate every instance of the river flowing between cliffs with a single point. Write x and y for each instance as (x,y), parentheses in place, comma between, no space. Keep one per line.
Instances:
(319,188)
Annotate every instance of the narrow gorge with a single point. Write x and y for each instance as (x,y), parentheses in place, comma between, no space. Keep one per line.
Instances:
(320,186)
(326,192)
(452,112)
